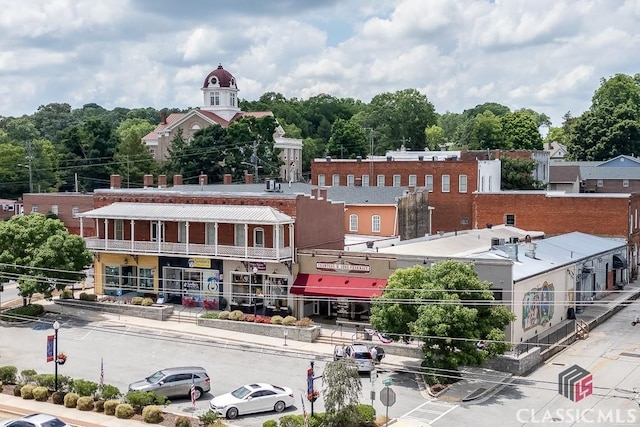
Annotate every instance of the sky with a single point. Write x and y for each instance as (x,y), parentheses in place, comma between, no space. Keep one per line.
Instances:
(547,55)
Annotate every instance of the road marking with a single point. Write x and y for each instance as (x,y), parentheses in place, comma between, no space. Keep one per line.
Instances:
(437,409)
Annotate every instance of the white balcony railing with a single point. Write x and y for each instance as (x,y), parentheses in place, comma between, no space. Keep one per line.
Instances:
(192,249)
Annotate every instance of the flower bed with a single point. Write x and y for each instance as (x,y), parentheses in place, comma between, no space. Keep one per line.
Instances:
(261,325)
(155,311)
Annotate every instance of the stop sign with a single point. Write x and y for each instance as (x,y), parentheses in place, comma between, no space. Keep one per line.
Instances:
(387,396)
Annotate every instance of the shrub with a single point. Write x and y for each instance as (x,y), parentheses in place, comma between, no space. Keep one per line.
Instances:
(212,315)
(270,423)
(137,300)
(17,390)
(65,383)
(110,392)
(366,414)
(110,406)
(1,385)
(41,394)
(58,397)
(19,314)
(289,321)
(152,414)
(71,400)
(26,392)
(140,399)
(46,380)
(304,322)
(248,318)
(100,405)
(28,376)
(88,297)
(147,302)
(292,421)
(224,315)
(182,422)
(124,411)
(8,374)
(276,320)
(85,403)
(84,387)
(66,294)
(208,418)
(236,315)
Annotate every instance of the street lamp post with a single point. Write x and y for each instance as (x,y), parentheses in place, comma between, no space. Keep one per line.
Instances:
(56,326)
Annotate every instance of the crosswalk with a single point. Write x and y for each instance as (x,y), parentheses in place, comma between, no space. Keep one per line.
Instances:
(428,413)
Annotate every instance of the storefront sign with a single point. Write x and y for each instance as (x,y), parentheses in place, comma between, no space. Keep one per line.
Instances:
(343,266)
(260,266)
(199,262)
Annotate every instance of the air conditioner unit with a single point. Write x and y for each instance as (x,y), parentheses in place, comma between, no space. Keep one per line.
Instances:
(588,270)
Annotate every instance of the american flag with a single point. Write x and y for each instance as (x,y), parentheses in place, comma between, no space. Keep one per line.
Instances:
(193,390)
(101,373)
(304,413)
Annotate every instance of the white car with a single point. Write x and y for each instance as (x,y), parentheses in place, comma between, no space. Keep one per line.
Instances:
(35,420)
(252,398)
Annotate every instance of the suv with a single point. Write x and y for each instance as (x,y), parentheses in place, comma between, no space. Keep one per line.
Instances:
(171,382)
(359,353)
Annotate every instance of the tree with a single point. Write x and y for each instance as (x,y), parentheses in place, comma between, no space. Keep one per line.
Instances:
(132,157)
(347,141)
(41,254)
(517,174)
(447,307)
(489,132)
(521,130)
(342,390)
(434,137)
(497,109)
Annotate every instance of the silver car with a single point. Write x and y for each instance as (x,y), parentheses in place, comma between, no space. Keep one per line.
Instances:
(35,420)
(173,382)
(359,353)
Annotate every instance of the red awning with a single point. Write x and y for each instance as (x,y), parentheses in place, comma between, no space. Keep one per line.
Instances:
(323,285)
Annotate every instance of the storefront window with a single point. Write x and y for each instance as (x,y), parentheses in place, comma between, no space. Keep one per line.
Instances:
(146,278)
(111,276)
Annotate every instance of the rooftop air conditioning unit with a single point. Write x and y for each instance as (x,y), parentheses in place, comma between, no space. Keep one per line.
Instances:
(270,185)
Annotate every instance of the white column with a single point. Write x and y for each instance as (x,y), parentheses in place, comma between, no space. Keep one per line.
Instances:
(291,240)
(246,240)
(106,233)
(81,227)
(215,240)
(277,242)
(186,226)
(132,234)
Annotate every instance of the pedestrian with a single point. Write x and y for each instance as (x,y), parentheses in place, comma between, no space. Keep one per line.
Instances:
(339,352)
(374,354)
(636,320)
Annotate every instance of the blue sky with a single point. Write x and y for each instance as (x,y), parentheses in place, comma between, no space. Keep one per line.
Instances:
(545,55)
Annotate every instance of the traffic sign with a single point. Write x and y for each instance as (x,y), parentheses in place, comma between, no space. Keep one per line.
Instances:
(387,381)
(387,396)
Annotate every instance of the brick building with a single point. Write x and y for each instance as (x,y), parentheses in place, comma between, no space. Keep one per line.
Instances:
(66,206)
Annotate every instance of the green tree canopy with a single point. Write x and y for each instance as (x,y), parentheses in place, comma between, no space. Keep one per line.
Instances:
(132,158)
(41,254)
(449,309)
(348,140)
(521,130)
(434,137)
(517,174)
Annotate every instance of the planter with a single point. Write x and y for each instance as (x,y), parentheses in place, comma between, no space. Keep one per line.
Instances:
(155,312)
(308,334)
(61,361)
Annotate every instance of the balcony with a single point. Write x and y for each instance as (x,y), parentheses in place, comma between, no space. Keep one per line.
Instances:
(192,249)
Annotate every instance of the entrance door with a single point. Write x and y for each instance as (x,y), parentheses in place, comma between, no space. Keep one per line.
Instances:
(316,307)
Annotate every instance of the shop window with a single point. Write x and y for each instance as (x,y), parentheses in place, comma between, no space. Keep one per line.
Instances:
(146,277)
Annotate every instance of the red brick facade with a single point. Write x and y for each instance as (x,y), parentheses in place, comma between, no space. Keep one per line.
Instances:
(452,209)
(67,206)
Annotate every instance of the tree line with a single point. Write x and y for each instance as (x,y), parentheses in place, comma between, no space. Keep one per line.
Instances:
(58,148)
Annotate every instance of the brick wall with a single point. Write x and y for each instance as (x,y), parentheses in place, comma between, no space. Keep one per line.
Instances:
(66,202)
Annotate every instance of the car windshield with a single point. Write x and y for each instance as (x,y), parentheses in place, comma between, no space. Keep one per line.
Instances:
(241,392)
(54,422)
(363,356)
(154,378)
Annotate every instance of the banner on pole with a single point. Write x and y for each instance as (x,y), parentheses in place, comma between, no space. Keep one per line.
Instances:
(50,355)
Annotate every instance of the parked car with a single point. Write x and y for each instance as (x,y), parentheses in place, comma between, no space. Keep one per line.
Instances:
(360,353)
(173,382)
(252,398)
(35,420)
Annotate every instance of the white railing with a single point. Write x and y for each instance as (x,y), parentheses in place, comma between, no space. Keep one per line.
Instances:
(221,251)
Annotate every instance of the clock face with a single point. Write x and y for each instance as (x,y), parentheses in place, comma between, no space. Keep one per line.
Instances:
(214,81)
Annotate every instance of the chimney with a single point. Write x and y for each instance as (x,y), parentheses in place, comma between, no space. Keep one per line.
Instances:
(163,118)
(530,250)
(116,182)
(162,181)
(248,178)
(203,179)
(147,181)
(177,179)
(227,179)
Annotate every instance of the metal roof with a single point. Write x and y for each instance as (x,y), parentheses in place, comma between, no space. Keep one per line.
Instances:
(195,213)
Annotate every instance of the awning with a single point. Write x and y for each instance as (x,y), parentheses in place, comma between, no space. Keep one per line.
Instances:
(322,285)
(619,262)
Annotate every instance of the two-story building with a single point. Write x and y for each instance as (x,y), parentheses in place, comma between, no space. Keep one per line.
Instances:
(196,246)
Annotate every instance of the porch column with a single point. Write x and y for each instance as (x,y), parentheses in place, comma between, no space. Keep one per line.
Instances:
(106,233)
(160,233)
(186,230)
(291,240)
(277,242)
(81,228)
(215,239)
(246,240)
(132,234)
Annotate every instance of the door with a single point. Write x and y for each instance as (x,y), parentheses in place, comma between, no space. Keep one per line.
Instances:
(316,307)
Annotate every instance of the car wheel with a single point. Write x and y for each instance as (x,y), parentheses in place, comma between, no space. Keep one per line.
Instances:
(279,406)
(198,393)
(232,413)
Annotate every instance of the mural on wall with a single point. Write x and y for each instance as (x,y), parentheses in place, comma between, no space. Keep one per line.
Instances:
(537,306)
